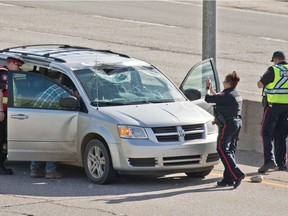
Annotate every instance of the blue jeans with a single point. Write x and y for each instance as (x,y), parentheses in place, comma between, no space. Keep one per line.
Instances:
(49,166)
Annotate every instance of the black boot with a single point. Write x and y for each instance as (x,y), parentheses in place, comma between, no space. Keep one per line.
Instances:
(5,171)
(224,183)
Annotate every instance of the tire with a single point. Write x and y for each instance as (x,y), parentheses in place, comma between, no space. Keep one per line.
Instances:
(200,174)
(98,163)
(3,156)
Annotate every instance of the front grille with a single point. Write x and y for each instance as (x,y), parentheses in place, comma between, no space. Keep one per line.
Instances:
(142,162)
(193,136)
(179,133)
(212,157)
(168,138)
(181,160)
(164,129)
(192,127)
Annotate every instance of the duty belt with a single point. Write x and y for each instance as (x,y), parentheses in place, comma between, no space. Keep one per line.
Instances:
(277,104)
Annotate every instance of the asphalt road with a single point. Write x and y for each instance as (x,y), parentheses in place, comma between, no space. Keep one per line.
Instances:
(167,34)
(75,195)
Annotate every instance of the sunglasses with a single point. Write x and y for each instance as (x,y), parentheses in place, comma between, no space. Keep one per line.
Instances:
(18,65)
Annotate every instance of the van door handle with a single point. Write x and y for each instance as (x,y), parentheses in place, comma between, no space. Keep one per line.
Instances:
(20,116)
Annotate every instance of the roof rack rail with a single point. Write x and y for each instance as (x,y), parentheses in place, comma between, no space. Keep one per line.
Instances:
(85,49)
(97,50)
(64,46)
(26,55)
(32,45)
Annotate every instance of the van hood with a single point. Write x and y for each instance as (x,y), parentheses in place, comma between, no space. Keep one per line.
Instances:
(151,115)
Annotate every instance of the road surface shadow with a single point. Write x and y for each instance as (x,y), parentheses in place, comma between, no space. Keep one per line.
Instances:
(75,183)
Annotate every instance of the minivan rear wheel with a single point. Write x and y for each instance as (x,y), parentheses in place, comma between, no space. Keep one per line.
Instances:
(98,163)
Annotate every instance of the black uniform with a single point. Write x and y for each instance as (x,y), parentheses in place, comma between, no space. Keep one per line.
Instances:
(228,112)
(3,124)
(274,127)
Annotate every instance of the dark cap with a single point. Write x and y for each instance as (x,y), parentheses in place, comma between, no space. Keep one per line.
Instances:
(278,54)
(15,61)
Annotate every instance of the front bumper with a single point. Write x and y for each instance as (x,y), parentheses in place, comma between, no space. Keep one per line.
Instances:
(149,156)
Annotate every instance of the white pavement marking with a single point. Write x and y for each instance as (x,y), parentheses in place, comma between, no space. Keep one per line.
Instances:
(273,39)
(138,22)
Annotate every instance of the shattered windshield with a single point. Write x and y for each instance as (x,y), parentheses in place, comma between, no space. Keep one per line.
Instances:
(110,85)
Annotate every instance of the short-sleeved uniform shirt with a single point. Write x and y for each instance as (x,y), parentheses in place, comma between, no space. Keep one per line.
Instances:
(268,76)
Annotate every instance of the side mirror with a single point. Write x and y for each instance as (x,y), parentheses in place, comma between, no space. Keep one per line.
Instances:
(192,94)
(70,103)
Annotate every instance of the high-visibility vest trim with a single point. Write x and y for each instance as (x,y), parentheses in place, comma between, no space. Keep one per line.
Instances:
(277,91)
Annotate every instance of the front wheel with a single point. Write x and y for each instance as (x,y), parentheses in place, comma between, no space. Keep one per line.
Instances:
(98,163)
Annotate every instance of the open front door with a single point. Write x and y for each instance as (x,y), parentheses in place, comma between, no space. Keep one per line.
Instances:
(38,128)
(194,84)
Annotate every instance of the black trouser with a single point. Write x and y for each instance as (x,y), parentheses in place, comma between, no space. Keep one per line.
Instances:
(3,139)
(226,147)
(275,127)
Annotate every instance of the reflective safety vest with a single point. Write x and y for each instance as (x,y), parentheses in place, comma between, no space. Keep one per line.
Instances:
(277,91)
(4,86)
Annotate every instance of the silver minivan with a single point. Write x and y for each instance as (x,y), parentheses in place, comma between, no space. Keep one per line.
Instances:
(109,113)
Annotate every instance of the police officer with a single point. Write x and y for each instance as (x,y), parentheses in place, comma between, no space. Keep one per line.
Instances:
(275,117)
(12,64)
(228,118)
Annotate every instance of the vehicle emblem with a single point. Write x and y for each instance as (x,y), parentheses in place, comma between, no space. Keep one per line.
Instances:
(181,135)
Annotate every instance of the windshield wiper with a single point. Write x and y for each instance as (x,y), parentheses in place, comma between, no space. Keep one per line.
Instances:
(162,101)
(115,103)
(151,101)
(107,103)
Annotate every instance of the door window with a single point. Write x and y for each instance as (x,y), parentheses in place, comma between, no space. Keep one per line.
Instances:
(197,76)
(32,90)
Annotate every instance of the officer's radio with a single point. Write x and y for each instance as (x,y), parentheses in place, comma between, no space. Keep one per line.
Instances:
(219,120)
(264,99)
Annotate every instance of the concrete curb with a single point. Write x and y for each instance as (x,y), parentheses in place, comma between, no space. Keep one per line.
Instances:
(250,138)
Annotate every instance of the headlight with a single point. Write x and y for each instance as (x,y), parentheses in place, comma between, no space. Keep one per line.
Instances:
(132,132)
(211,128)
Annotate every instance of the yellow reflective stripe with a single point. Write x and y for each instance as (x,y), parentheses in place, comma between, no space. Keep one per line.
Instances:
(276,91)
(5,100)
